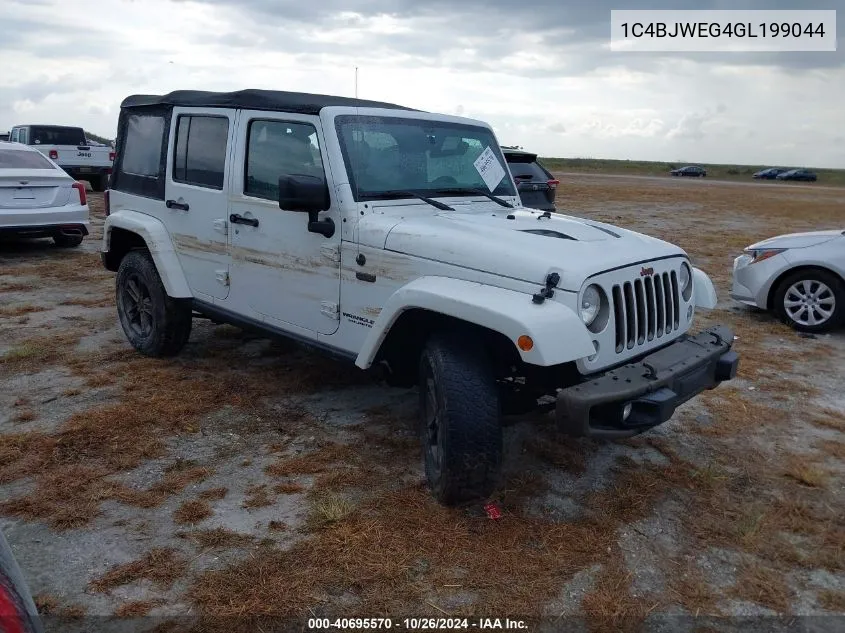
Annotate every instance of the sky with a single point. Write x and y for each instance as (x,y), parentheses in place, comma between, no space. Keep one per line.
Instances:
(541,73)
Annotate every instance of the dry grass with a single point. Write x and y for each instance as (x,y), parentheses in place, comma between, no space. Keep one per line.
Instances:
(218,538)
(833,448)
(805,472)
(832,600)
(136,608)
(288,488)
(312,463)
(609,605)
(16,286)
(829,418)
(277,526)
(257,497)
(329,509)
(162,567)
(27,415)
(764,586)
(20,310)
(192,511)
(213,494)
(89,302)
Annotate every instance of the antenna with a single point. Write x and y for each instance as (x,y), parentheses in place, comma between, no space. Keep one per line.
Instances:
(356,82)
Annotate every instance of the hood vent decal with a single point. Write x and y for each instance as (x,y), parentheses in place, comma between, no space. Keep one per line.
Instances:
(549,233)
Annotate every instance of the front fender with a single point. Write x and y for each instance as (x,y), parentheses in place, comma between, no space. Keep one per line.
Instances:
(158,242)
(558,333)
(704,292)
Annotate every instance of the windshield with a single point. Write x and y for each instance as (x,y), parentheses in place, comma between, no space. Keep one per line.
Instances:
(390,154)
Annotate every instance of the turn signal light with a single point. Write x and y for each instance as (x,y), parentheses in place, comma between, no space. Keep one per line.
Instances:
(525,343)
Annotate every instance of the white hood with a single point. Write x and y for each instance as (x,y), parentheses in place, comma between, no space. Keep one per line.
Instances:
(797,240)
(491,242)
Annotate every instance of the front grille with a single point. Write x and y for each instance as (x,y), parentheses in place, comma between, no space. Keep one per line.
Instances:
(645,309)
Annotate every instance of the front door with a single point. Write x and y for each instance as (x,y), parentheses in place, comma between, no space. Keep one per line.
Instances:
(286,275)
(196,196)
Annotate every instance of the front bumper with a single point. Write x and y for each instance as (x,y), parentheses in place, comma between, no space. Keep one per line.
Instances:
(654,386)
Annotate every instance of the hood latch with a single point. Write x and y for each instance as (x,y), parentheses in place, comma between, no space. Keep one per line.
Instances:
(552,280)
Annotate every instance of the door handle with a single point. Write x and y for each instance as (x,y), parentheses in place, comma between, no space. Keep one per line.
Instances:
(237,218)
(172,204)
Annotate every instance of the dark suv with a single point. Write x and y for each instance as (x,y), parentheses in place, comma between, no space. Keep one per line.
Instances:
(535,184)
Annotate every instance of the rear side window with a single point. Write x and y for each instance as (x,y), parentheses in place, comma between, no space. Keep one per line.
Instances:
(20,159)
(141,152)
(199,157)
(52,135)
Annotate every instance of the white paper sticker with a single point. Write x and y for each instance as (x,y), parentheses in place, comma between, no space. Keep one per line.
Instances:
(489,168)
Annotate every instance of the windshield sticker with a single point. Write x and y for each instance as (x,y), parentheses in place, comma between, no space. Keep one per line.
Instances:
(490,169)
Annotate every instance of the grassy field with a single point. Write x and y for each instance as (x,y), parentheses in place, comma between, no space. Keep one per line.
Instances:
(835,177)
(248,478)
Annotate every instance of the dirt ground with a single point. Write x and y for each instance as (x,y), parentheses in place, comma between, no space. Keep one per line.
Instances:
(252,478)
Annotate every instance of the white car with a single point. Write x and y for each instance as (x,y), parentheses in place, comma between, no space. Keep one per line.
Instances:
(390,237)
(800,277)
(38,199)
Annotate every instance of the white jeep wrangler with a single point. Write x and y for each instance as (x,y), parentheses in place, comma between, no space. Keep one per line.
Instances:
(396,238)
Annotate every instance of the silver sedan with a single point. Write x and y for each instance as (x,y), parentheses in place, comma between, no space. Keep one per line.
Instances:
(800,277)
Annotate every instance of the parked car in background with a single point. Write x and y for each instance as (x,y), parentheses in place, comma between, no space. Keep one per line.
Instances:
(768,174)
(69,147)
(690,170)
(535,184)
(38,199)
(798,174)
(799,276)
(17,608)
(4,136)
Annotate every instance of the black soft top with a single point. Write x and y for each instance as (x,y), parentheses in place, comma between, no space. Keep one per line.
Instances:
(274,100)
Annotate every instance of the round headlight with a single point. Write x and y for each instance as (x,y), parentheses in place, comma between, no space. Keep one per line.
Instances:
(590,305)
(686,281)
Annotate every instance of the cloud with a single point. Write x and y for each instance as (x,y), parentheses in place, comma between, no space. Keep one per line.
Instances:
(544,77)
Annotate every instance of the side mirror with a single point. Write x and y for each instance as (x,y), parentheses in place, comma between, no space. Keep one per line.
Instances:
(309,194)
(299,192)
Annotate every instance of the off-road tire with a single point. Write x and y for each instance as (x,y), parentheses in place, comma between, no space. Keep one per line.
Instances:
(457,384)
(833,282)
(169,320)
(67,241)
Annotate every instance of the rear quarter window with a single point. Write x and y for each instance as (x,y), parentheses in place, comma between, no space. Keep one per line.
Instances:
(142,153)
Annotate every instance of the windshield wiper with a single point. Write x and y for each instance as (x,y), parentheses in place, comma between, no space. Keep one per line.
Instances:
(479,192)
(400,193)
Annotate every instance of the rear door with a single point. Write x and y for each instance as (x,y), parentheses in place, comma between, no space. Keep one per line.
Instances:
(196,196)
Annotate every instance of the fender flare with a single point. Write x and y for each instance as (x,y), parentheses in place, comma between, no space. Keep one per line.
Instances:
(703,290)
(558,333)
(158,242)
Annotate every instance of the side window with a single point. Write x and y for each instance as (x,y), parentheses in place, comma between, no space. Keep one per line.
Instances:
(199,157)
(275,148)
(13,137)
(143,145)
(23,137)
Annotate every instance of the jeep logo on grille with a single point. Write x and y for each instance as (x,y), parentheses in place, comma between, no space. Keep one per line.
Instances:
(645,272)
